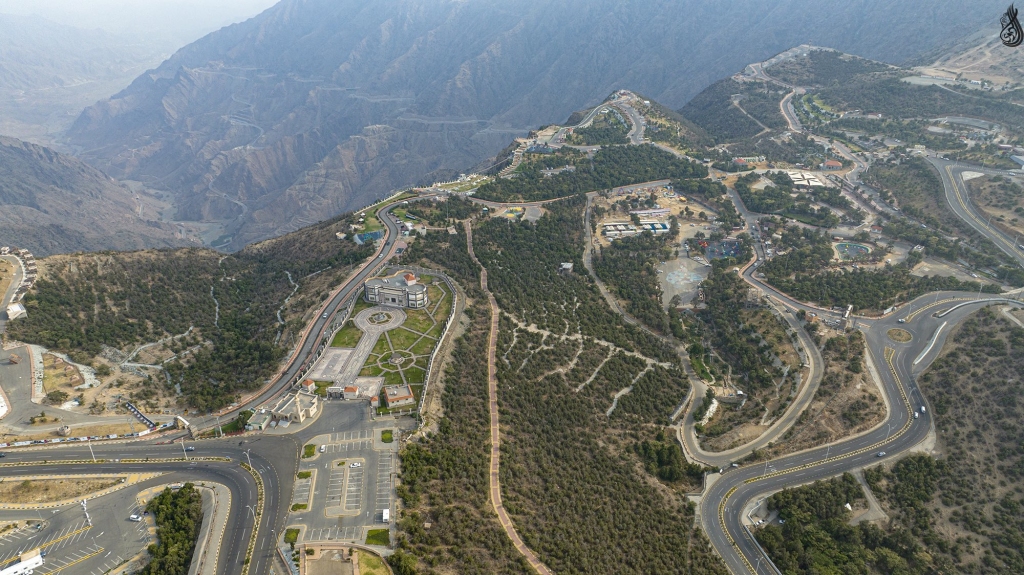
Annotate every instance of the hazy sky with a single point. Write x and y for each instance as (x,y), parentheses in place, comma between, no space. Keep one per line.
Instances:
(178,21)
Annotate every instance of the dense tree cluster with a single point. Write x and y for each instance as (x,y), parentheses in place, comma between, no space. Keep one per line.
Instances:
(611,166)
(663,458)
(823,68)
(894,98)
(178,514)
(712,109)
(778,199)
(816,537)
(607,129)
(563,462)
(629,267)
(738,344)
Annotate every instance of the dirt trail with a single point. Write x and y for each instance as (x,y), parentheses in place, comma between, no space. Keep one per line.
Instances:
(492,396)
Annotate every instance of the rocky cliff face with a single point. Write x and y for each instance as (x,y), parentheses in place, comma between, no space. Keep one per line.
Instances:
(317,106)
(52,203)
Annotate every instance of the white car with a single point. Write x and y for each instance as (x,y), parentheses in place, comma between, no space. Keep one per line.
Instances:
(355,464)
(323,448)
(135,517)
(881,454)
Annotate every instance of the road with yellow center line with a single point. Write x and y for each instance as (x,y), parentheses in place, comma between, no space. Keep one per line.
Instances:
(900,432)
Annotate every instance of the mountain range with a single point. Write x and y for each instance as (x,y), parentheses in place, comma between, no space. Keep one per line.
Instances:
(49,72)
(54,203)
(318,106)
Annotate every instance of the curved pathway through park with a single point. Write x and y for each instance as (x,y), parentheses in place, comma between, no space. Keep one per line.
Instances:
(492,397)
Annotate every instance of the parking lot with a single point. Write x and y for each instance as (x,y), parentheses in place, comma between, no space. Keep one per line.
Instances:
(345,500)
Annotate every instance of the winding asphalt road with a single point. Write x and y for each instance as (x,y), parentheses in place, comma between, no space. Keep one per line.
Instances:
(272,457)
(952,175)
(725,502)
(317,332)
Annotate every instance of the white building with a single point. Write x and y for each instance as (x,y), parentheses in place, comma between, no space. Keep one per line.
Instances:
(15,310)
(399,290)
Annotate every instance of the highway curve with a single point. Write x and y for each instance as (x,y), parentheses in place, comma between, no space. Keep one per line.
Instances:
(951,174)
(238,531)
(316,333)
(725,502)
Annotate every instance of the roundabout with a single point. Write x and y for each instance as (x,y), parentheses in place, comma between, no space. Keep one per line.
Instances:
(379,319)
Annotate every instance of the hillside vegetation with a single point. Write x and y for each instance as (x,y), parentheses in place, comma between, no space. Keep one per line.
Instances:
(568,457)
(959,513)
(83,302)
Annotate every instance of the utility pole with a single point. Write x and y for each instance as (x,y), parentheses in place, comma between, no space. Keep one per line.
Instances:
(249,459)
(183,452)
(91,452)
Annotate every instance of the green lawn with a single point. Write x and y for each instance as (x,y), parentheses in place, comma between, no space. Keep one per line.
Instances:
(423,347)
(361,304)
(378,537)
(381,347)
(387,436)
(402,338)
(393,378)
(291,536)
(417,320)
(415,375)
(304,474)
(371,371)
(435,332)
(347,336)
(445,308)
(321,387)
(308,451)
(371,224)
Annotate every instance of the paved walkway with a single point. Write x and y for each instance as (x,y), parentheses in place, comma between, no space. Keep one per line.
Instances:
(492,395)
(371,332)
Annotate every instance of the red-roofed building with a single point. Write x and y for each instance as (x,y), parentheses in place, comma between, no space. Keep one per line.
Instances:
(309,386)
(831,165)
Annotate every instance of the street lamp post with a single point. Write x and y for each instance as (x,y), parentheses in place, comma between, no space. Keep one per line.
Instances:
(183,452)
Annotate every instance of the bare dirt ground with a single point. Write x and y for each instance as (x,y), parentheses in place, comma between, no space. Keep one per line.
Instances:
(984,59)
(999,200)
(934,267)
(79,430)
(6,276)
(330,562)
(846,403)
(50,490)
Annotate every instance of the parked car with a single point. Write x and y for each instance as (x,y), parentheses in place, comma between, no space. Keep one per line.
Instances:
(134,517)
(355,464)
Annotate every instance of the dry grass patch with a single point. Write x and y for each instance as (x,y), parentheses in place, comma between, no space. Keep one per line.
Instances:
(14,490)
(899,335)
